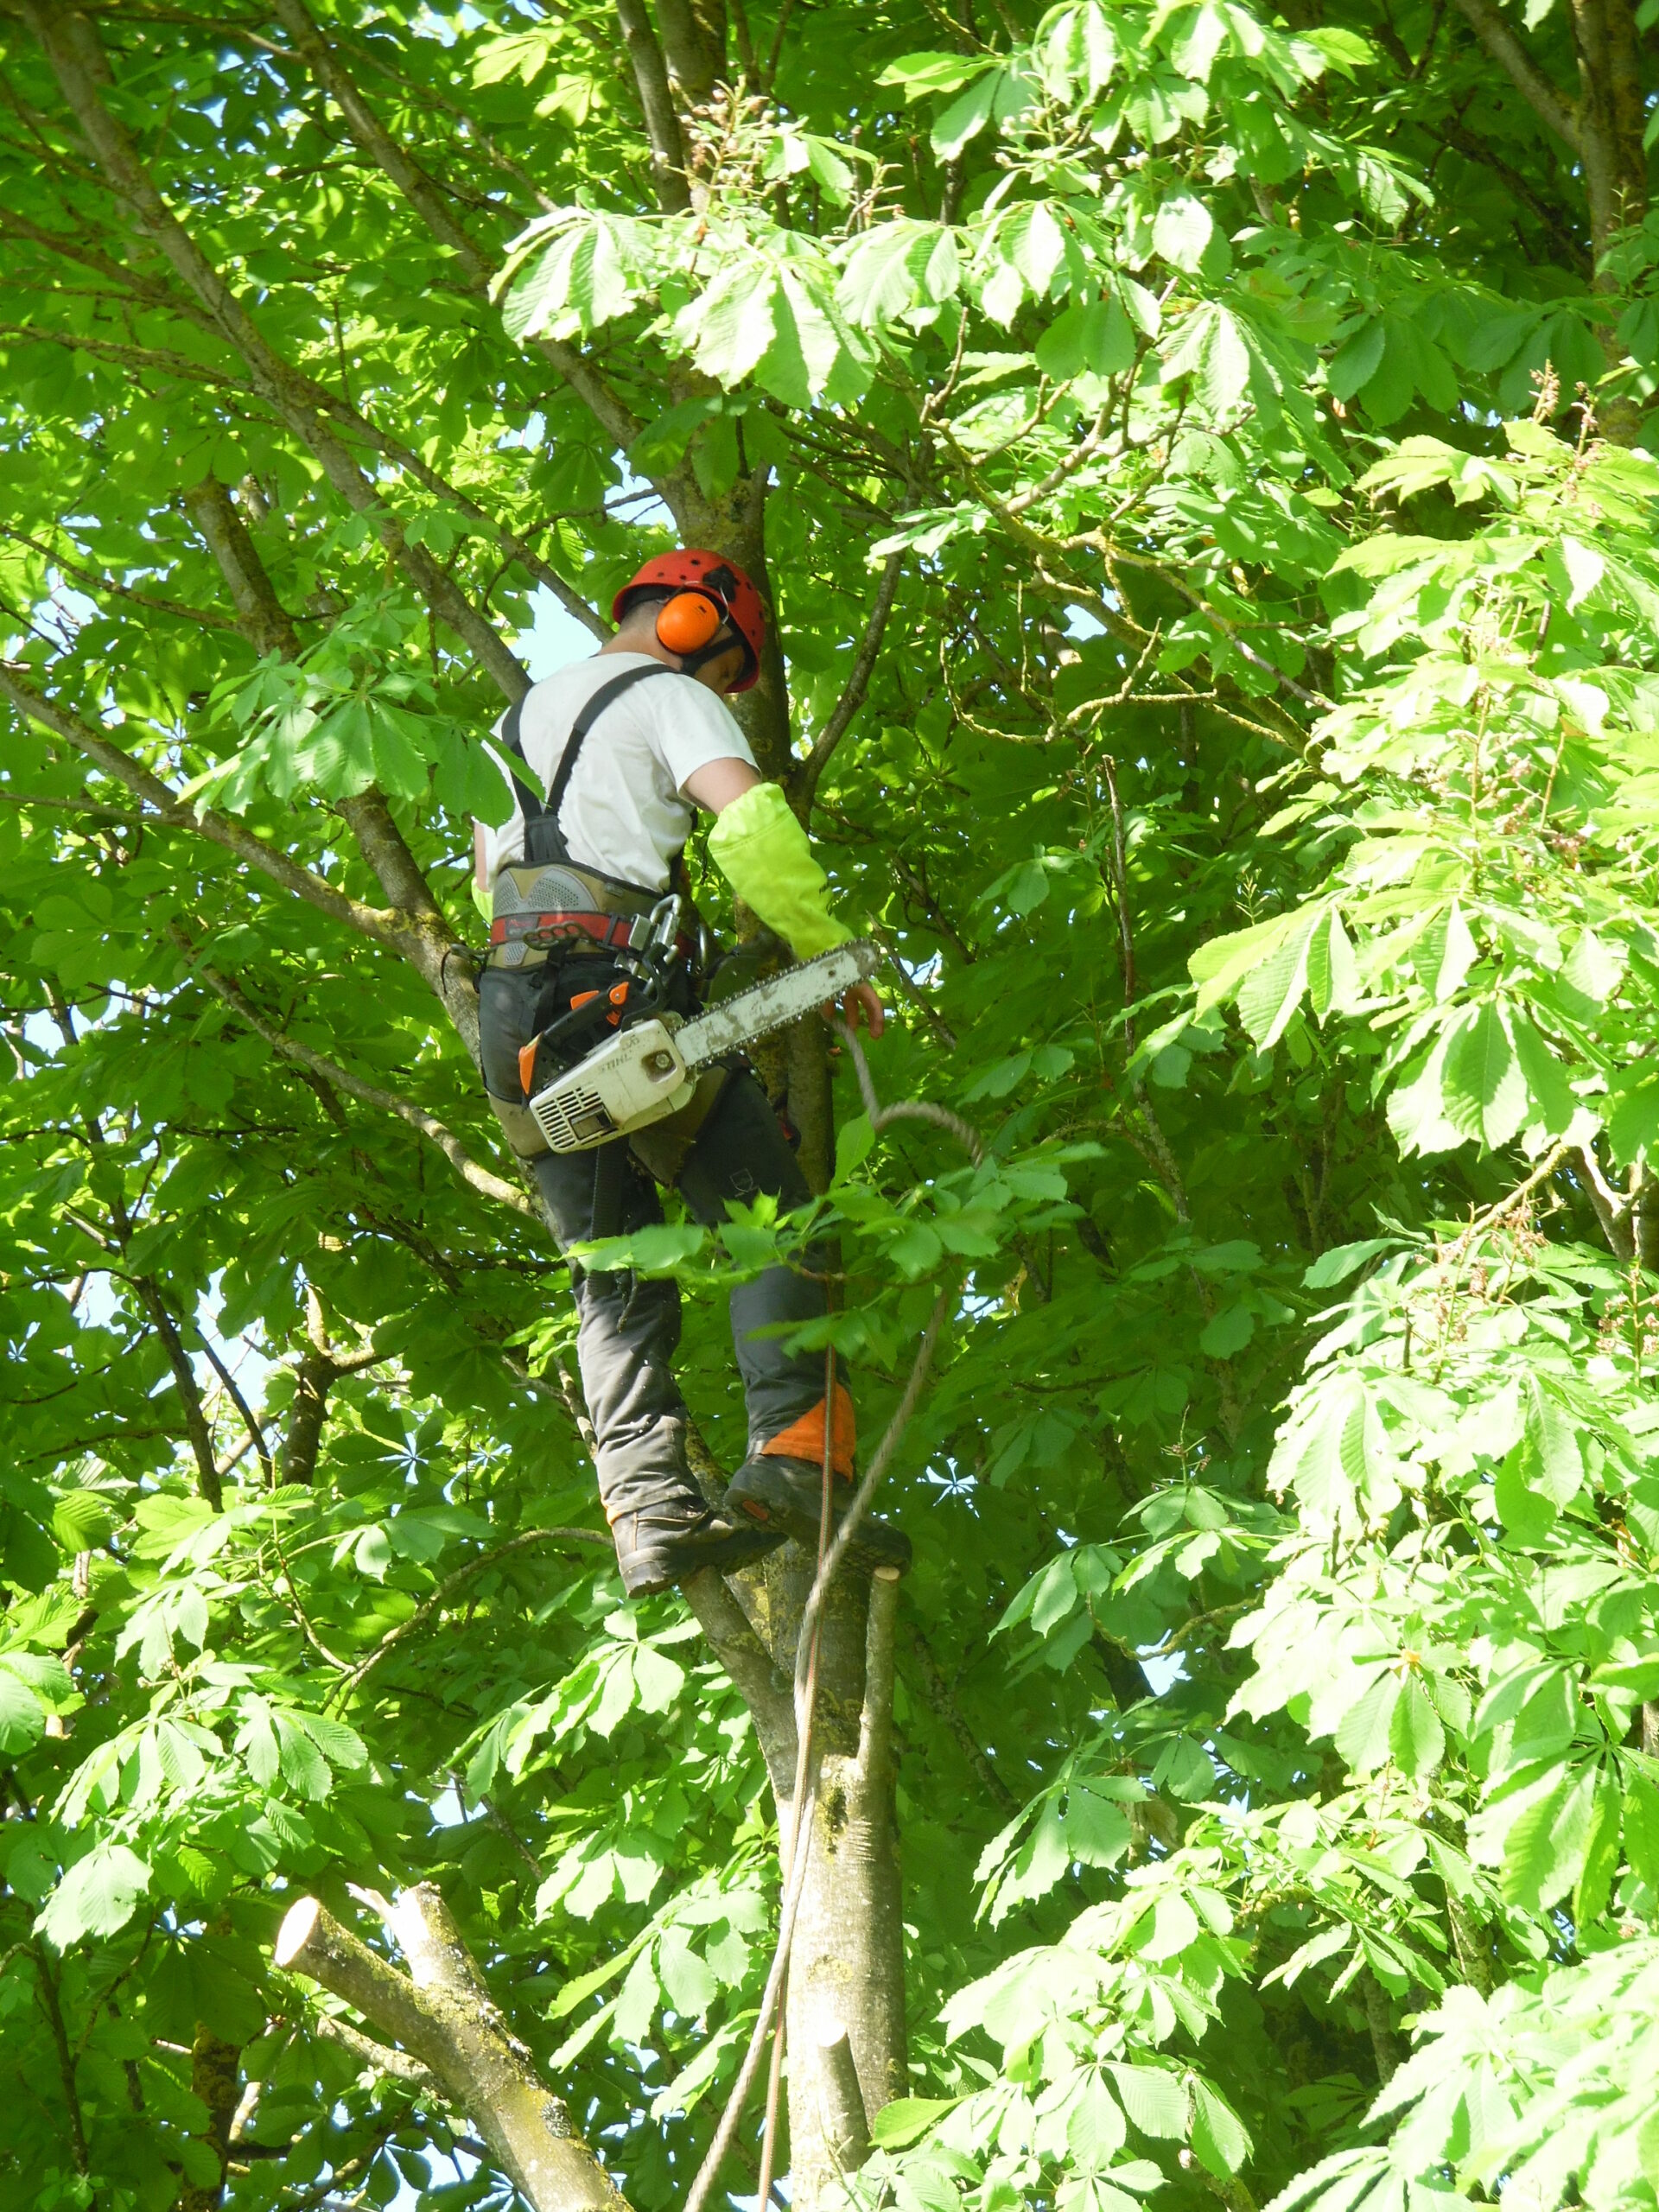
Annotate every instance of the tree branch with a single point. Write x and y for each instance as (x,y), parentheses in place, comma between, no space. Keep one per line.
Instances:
(477,268)
(1503,45)
(433,1604)
(260,615)
(942,1699)
(70,44)
(53,2011)
(95,580)
(234,1392)
(373,921)
(841,2115)
(805,777)
(397,2064)
(657,105)
(763,1688)
(875,1714)
(442,2013)
(266,624)
(195,1420)
(481,1179)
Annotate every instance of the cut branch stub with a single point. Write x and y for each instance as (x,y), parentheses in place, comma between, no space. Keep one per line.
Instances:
(442,2015)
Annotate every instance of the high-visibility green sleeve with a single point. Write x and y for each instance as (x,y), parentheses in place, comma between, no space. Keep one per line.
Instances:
(762,851)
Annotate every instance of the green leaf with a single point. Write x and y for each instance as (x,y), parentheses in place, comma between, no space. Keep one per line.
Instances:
(22,1721)
(896,267)
(906,2119)
(657,1679)
(920,74)
(1181,231)
(1544,1852)
(1595,1880)
(1273,991)
(1095,2131)
(97,1897)
(1221,2142)
(1631,1111)
(966,118)
(1354,364)
(1415,1736)
(1209,348)
(1230,1331)
(1094,338)
(1550,1102)
(735,321)
(1154,2099)
(1364,1736)
(1097,1831)
(1552,1461)
(854,1142)
(1202,38)
(1485,1090)
(1344,1259)
(1641,1829)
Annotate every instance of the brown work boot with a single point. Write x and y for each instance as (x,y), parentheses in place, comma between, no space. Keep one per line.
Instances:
(786,1496)
(668,1543)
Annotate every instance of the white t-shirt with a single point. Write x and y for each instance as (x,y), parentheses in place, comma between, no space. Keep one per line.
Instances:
(623,812)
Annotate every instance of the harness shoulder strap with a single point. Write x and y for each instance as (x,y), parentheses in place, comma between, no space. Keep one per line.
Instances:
(534,807)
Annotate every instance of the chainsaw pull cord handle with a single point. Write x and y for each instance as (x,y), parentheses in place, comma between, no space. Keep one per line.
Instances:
(588,1009)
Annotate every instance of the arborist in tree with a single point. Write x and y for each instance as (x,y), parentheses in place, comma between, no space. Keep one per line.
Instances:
(607,760)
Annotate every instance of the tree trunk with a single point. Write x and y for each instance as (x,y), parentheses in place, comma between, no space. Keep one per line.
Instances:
(846,1990)
(844,2019)
(694,45)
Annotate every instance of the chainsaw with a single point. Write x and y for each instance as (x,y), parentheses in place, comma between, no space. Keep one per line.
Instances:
(649,1070)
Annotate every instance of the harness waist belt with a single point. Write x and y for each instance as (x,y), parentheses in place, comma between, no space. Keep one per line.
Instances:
(544,931)
(604,929)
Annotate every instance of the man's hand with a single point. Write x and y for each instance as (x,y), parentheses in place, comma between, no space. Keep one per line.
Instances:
(862,1001)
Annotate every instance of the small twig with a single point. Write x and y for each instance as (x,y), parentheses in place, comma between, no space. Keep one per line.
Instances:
(1121,882)
(805,777)
(439,1597)
(1496,1212)
(917,998)
(232,1389)
(909,1109)
(942,1698)
(397,2063)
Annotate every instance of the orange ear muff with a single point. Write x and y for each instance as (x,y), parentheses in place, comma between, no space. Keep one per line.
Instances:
(687,622)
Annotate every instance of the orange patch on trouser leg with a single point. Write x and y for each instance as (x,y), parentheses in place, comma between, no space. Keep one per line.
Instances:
(804,1439)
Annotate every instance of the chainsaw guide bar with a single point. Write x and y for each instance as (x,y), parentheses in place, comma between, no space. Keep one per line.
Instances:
(649,1071)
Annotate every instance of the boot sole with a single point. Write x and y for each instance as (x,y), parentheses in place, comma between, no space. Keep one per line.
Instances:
(647,1574)
(876,1544)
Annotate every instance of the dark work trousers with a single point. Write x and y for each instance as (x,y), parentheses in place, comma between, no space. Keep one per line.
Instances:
(629,1329)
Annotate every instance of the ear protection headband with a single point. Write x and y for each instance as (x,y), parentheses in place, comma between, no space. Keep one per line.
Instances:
(691,625)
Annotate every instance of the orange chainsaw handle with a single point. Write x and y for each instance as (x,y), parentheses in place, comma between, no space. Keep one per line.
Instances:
(618,997)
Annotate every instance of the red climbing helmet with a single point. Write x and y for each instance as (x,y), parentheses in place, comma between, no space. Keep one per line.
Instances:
(712,577)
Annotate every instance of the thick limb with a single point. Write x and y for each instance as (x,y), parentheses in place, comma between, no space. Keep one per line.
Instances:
(441,2014)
